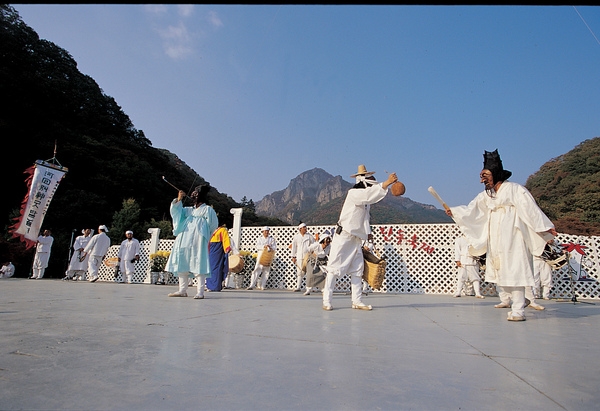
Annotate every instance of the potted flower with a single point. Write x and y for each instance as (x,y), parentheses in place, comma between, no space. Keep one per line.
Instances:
(158,260)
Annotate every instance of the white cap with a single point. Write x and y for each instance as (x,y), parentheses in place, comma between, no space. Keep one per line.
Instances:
(324,236)
(103,227)
(265,228)
(129,232)
(301,225)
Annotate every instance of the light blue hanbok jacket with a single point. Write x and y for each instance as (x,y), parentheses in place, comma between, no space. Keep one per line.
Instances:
(193,228)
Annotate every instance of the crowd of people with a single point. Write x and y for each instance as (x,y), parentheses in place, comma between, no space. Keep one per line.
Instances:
(503,223)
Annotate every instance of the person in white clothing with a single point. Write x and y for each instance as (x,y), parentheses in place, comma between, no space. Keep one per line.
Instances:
(7,270)
(316,263)
(300,244)
(542,273)
(265,242)
(353,230)
(79,261)
(129,254)
(542,276)
(506,221)
(42,254)
(506,299)
(530,292)
(468,268)
(96,250)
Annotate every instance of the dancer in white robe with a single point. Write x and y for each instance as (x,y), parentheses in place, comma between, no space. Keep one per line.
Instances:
(316,263)
(265,242)
(353,230)
(42,255)
(468,268)
(79,261)
(7,270)
(542,276)
(129,253)
(506,221)
(96,250)
(301,241)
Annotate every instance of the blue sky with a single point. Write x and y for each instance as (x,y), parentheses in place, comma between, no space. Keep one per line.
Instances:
(252,96)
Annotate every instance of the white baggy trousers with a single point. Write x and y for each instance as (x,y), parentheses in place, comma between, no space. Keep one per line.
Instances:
(184,282)
(345,258)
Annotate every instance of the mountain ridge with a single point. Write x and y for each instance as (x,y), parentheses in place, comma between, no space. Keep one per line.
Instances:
(316,197)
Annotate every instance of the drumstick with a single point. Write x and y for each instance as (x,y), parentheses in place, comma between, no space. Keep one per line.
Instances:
(165,180)
(438,198)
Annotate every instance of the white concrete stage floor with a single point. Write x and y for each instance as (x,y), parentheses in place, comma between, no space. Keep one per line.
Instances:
(106,346)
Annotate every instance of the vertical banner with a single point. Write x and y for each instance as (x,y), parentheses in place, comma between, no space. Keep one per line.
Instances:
(42,181)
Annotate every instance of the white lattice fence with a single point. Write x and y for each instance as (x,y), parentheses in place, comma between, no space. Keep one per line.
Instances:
(420,259)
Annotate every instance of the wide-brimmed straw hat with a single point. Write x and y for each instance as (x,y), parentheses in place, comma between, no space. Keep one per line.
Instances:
(362,171)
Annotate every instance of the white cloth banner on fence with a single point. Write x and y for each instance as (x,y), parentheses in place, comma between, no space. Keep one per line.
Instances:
(42,181)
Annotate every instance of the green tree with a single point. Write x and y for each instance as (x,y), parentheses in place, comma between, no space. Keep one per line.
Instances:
(567,188)
(165,226)
(128,218)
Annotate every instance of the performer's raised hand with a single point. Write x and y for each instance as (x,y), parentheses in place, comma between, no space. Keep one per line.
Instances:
(180,195)
(392,178)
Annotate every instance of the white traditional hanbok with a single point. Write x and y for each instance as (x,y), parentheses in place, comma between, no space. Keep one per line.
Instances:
(346,255)
(468,269)
(79,260)
(512,228)
(128,250)
(263,244)
(42,255)
(300,245)
(96,250)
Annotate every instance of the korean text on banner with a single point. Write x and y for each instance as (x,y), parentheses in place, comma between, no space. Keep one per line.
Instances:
(42,181)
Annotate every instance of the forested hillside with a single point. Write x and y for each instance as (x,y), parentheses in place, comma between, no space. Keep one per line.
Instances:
(115,175)
(567,188)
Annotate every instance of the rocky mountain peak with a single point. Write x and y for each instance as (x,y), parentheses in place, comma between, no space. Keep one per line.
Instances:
(316,197)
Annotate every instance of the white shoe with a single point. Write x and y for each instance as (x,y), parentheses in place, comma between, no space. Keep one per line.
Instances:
(502,305)
(480,296)
(362,306)
(456,295)
(93,280)
(250,288)
(512,317)
(307,292)
(198,297)
(177,294)
(327,307)
(536,306)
